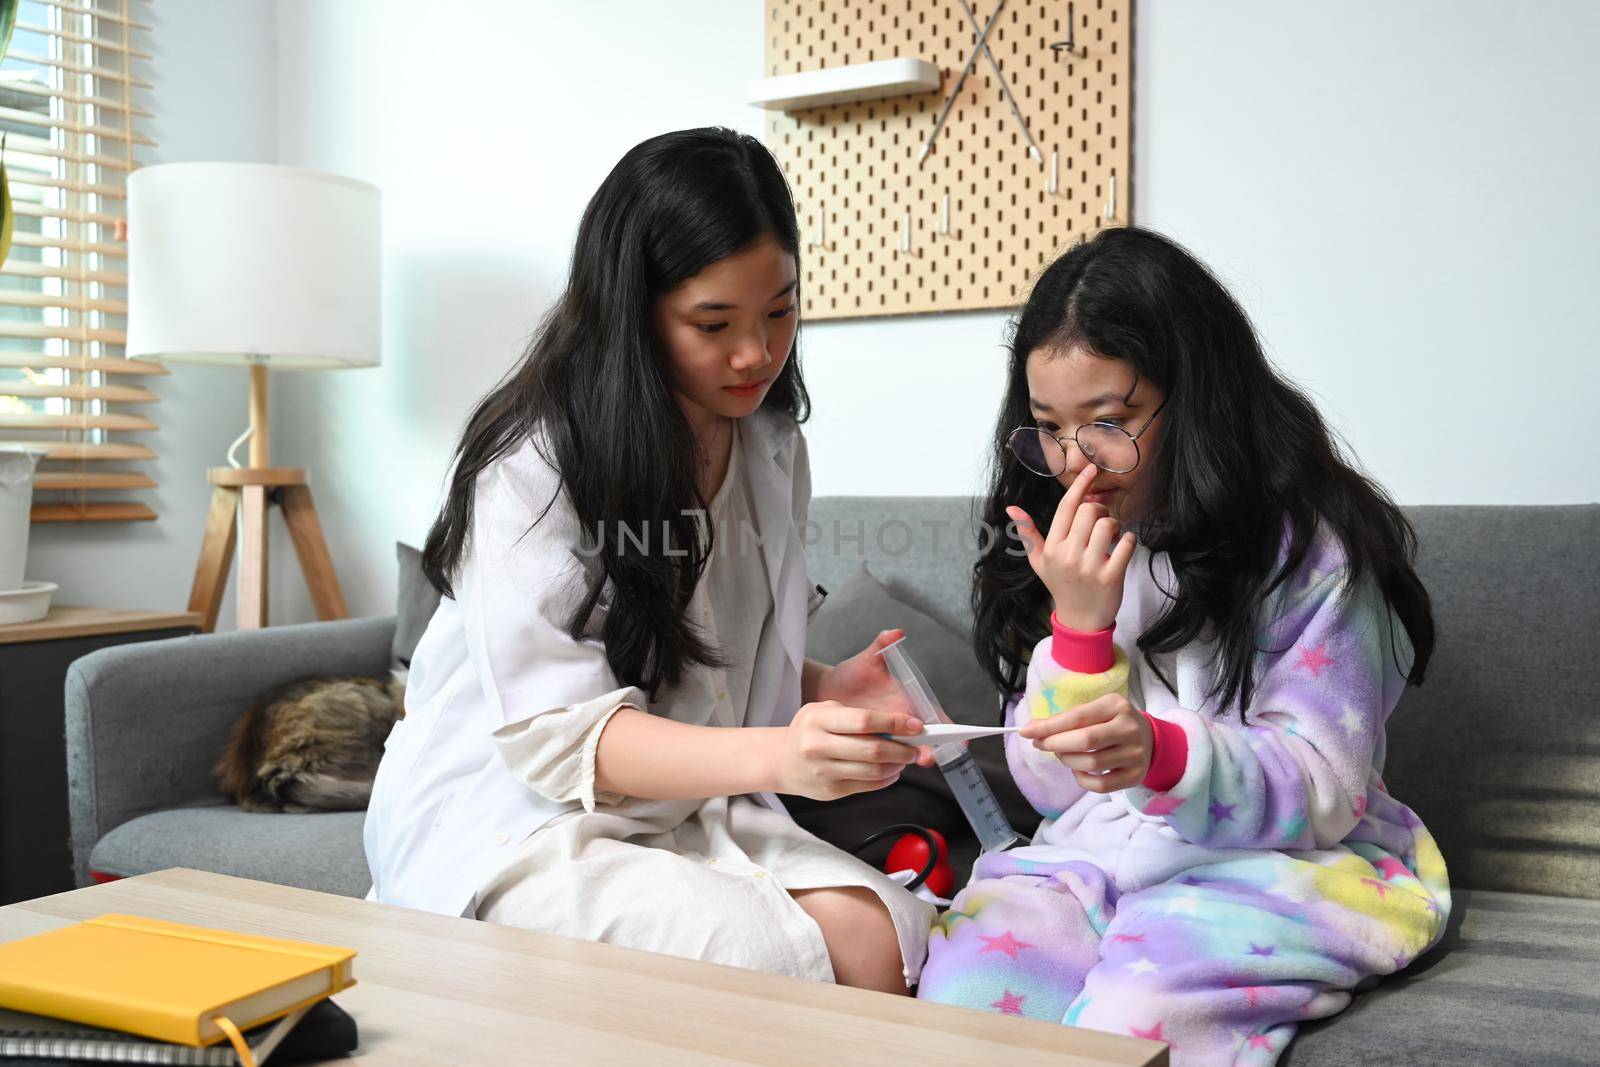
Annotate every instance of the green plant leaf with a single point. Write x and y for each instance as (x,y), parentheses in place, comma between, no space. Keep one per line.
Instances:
(8,22)
(7,219)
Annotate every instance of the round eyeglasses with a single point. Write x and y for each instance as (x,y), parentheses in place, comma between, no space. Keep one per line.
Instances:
(1106,445)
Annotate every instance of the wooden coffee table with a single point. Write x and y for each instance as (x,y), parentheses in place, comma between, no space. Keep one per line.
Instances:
(432,989)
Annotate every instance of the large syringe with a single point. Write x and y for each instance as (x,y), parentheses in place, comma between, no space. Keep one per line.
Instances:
(966,778)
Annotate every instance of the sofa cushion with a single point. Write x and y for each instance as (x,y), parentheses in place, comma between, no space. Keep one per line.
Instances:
(920,547)
(1516,980)
(415,602)
(322,851)
(1498,750)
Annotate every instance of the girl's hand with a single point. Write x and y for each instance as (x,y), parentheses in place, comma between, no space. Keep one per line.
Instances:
(1083,560)
(1107,743)
(864,681)
(829,751)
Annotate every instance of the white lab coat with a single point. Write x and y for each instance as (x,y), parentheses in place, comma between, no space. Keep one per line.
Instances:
(446,810)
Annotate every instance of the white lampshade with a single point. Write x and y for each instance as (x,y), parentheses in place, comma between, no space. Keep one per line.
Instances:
(252,263)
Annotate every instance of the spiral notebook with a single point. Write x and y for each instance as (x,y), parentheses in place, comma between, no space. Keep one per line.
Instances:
(321,1032)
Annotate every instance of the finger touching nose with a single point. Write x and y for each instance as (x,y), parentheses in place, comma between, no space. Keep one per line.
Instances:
(1076,460)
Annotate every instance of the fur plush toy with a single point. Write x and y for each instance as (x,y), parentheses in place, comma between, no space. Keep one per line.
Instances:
(312,744)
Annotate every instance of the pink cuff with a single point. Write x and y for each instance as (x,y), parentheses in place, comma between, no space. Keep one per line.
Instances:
(1169,754)
(1079,652)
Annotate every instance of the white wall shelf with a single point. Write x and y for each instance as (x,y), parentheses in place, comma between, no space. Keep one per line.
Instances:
(844,85)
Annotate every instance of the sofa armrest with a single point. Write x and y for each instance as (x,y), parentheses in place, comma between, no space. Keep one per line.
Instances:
(146,722)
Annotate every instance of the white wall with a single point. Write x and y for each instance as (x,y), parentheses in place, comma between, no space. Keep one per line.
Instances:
(468,124)
(1401,195)
(214,73)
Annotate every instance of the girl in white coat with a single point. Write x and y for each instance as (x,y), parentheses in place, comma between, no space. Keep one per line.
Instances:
(615,684)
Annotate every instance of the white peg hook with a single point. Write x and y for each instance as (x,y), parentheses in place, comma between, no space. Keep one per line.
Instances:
(1111,201)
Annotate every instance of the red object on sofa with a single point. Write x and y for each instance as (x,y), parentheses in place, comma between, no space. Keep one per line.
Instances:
(910,853)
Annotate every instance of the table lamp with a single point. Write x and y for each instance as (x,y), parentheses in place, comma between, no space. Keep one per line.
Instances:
(270,268)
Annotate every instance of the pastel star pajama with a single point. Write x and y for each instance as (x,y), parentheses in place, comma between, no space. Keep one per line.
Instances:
(1259,873)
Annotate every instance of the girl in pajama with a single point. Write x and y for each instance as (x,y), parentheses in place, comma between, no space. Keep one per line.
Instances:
(1213,618)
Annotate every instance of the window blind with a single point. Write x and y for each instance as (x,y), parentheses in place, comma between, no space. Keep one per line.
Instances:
(70,95)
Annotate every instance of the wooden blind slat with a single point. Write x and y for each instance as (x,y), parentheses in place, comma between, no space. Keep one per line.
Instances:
(45,211)
(32,331)
(80,390)
(100,248)
(121,107)
(81,364)
(93,42)
(67,274)
(103,248)
(30,153)
(64,301)
(78,450)
(105,133)
(87,512)
(53,480)
(74,421)
(22,177)
(118,76)
(109,16)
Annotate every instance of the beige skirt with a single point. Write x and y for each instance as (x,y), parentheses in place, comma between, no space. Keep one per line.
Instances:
(714,886)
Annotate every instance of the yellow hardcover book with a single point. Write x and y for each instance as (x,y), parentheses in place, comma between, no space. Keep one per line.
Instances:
(167,980)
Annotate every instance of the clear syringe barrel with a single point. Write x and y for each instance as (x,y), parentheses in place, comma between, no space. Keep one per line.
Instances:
(973,795)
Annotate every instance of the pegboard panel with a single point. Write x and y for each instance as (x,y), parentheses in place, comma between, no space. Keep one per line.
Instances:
(854,171)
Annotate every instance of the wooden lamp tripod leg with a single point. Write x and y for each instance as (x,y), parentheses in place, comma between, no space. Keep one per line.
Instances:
(306,532)
(253,559)
(216,556)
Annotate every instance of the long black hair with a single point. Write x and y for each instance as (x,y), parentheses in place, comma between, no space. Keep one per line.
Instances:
(595,385)
(1244,475)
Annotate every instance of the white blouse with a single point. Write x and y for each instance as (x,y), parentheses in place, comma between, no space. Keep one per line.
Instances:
(485,800)
(737,593)
(703,879)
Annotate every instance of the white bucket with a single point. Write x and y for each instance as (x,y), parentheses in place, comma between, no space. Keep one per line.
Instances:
(16,498)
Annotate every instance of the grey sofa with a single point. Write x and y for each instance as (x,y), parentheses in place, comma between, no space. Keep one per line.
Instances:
(1499,752)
